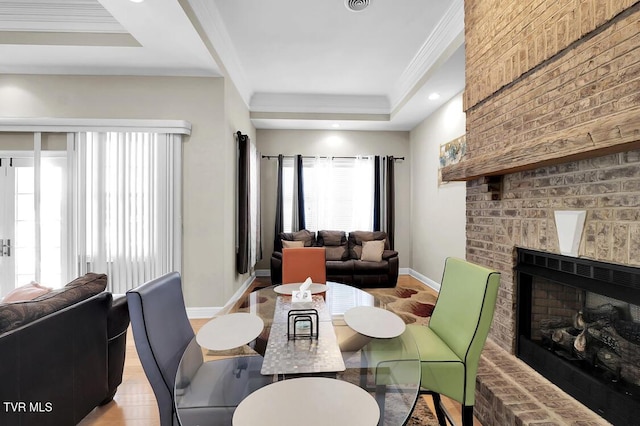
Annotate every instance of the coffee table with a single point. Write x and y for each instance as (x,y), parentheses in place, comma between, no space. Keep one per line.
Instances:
(208,391)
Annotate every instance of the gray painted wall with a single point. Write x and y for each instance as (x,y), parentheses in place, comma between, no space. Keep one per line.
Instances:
(437,211)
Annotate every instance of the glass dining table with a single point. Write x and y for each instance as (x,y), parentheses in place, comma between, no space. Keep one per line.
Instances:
(209,386)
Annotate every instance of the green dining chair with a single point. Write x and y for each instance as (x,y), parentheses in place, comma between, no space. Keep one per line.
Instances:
(450,346)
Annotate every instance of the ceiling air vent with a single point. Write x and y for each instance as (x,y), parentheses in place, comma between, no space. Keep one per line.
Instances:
(356,5)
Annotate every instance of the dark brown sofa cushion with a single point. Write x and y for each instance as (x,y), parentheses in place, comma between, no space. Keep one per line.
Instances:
(308,237)
(335,244)
(14,315)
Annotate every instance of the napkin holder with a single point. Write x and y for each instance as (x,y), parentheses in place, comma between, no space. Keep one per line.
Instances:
(301,324)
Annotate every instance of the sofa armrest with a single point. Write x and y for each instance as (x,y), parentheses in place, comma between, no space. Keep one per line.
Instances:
(388,254)
(276,268)
(118,317)
(394,269)
(117,325)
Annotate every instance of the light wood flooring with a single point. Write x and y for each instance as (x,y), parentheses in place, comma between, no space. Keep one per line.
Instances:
(135,405)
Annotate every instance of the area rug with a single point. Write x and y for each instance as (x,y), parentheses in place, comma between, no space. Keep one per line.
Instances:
(410,300)
(422,415)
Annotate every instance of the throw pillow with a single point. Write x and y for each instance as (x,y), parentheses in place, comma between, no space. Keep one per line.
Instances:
(372,250)
(26,292)
(336,253)
(291,244)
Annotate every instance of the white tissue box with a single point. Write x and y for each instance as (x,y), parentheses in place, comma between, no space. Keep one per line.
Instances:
(301,299)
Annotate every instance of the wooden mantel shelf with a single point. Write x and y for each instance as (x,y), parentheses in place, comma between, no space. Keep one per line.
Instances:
(617,133)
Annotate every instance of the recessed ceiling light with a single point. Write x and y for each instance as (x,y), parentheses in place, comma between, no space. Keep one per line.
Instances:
(434,96)
(136,1)
(335,125)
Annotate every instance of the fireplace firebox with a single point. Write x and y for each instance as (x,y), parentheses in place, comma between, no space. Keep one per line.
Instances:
(578,324)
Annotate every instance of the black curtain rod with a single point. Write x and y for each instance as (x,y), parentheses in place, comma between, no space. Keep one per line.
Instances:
(270,157)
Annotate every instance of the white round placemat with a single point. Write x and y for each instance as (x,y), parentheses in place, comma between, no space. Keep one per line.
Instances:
(374,322)
(308,401)
(229,331)
(287,289)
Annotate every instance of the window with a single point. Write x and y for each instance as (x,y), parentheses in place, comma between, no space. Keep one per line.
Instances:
(338,193)
(128,206)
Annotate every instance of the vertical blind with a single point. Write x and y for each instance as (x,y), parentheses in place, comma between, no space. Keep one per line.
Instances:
(126,207)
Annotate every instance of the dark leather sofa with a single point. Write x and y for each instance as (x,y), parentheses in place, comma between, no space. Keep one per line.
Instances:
(343,257)
(57,367)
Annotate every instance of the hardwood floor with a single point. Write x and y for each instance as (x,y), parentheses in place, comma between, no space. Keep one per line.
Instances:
(135,405)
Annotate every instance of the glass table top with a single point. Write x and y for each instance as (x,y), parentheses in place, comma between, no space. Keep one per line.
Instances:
(208,387)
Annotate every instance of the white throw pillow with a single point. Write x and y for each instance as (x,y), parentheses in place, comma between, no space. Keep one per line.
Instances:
(372,250)
(292,244)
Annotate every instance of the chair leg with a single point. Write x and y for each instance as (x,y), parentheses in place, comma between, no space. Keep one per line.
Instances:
(439,412)
(381,391)
(467,415)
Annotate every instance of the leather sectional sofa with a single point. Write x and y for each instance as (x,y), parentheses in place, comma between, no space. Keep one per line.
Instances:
(62,353)
(344,257)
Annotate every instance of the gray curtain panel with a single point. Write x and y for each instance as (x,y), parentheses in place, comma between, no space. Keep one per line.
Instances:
(279,222)
(384,197)
(244,168)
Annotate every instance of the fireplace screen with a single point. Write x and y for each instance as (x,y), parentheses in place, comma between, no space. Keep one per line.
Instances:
(598,334)
(578,324)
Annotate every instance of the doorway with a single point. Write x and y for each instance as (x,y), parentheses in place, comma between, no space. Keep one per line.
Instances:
(32,219)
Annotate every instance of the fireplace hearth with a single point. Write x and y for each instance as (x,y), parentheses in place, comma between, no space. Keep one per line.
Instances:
(578,324)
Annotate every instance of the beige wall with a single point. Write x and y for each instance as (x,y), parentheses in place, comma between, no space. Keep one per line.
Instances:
(208,154)
(336,143)
(437,211)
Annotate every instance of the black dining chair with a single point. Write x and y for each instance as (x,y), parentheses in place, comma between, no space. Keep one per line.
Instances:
(162,333)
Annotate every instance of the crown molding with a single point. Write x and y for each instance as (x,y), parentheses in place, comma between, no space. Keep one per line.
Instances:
(329,116)
(279,103)
(450,30)
(214,28)
(84,16)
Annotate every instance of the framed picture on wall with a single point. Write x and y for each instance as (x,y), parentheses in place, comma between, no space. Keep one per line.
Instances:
(451,153)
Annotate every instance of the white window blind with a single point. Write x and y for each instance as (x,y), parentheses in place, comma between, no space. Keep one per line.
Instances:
(127,206)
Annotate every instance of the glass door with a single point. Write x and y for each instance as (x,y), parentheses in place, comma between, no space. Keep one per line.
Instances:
(33,246)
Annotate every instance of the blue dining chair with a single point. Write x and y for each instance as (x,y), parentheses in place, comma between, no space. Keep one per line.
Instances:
(162,332)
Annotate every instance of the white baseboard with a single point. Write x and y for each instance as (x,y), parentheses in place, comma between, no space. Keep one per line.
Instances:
(208,312)
(263,273)
(202,312)
(425,280)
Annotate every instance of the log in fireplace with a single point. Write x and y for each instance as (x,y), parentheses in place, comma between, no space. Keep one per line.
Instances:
(578,324)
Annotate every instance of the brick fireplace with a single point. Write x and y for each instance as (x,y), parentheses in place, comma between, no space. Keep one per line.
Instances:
(521,214)
(578,324)
(608,188)
(552,101)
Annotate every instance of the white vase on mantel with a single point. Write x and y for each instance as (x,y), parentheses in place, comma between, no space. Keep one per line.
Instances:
(569,224)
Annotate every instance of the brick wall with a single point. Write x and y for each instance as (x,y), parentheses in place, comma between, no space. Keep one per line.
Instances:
(551,300)
(607,187)
(506,38)
(584,100)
